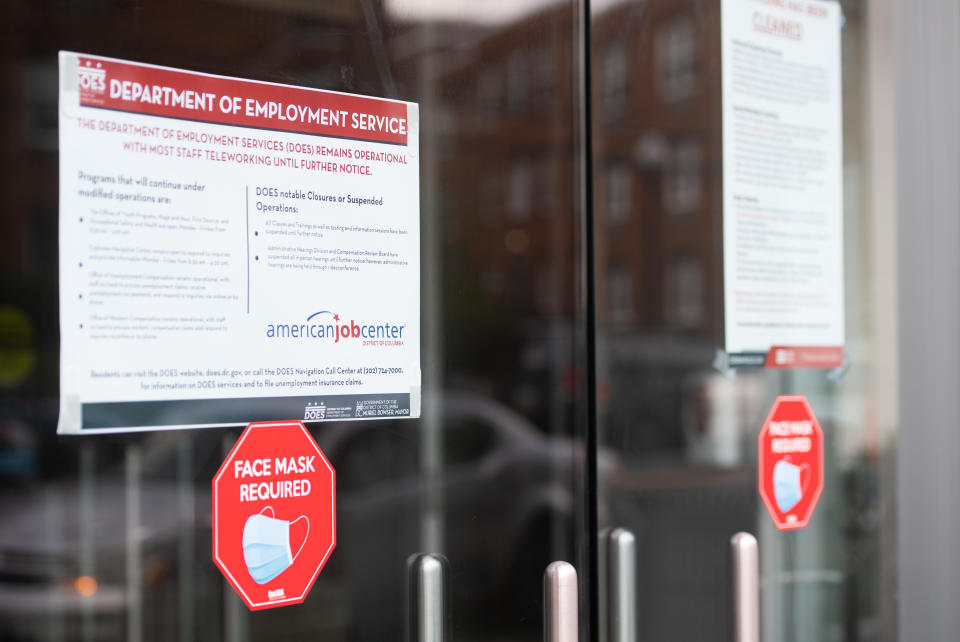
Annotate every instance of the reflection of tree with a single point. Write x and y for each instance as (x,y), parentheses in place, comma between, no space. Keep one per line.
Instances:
(26,315)
(482,342)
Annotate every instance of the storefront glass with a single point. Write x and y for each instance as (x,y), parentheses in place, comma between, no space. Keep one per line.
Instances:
(572,305)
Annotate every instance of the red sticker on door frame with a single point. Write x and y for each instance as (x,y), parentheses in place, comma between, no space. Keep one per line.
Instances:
(790,462)
(274,514)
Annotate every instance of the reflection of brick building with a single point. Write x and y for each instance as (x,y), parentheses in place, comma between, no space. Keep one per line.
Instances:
(507,171)
(503,136)
(510,164)
(657,168)
(508,211)
(508,185)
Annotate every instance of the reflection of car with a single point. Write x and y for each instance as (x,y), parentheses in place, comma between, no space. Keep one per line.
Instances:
(63,555)
(503,490)
(500,493)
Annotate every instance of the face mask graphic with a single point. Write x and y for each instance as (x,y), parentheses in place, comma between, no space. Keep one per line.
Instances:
(788,487)
(266,545)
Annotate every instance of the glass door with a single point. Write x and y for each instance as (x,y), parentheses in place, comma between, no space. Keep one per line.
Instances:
(573,297)
(681,418)
(108,537)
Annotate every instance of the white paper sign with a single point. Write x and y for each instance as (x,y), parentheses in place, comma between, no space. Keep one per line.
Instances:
(233,251)
(782,183)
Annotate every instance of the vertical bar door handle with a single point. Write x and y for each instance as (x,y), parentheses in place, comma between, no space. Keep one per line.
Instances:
(619,588)
(426,599)
(746,587)
(560,603)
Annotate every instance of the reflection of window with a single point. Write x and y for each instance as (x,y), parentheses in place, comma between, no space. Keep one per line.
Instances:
(676,59)
(686,291)
(466,440)
(518,285)
(682,182)
(548,289)
(619,194)
(492,281)
(619,296)
(548,189)
(490,196)
(517,83)
(545,79)
(488,92)
(615,82)
(519,198)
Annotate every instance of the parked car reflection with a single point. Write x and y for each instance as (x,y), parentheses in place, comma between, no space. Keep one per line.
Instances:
(505,493)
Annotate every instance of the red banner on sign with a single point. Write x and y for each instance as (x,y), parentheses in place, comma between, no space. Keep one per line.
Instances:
(160,91)
(783,357)
(274,514)
(790,466)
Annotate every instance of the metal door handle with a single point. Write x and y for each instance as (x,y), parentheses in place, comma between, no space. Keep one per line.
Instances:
(618,586)
(560,603)
(426,598)
(746,587)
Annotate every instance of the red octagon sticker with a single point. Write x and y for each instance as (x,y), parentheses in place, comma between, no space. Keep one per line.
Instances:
(790,462)
(274,514)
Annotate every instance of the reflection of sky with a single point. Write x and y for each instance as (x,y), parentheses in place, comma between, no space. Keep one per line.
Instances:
(479,11)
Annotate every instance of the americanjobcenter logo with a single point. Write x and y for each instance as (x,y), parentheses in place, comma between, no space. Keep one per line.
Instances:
(327,326)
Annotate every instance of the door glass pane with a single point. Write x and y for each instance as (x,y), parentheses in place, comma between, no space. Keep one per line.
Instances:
(685,431)
(109,537)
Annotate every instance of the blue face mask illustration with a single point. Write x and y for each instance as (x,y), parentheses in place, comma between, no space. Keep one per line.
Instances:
(787,485)
(266,545)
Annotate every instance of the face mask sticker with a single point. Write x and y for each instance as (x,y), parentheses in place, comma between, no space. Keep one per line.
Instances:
(788,484)
(266,545)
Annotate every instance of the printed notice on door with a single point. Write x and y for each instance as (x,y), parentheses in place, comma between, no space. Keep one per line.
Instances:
(782,183)
(233,251)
